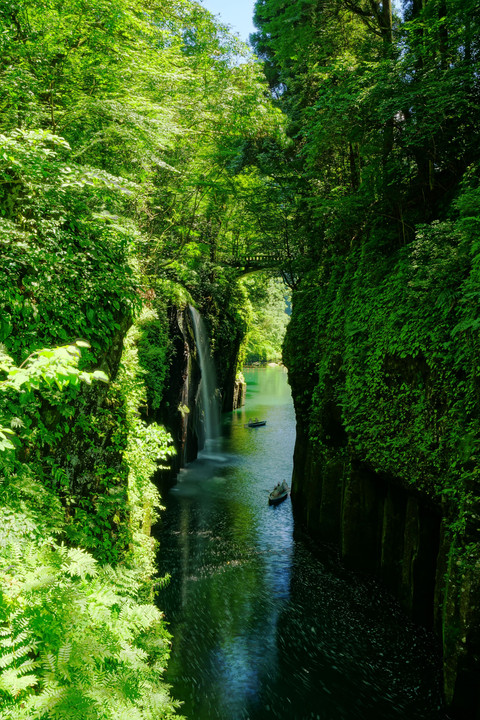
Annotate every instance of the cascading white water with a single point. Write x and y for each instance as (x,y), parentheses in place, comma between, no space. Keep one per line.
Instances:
(208,382)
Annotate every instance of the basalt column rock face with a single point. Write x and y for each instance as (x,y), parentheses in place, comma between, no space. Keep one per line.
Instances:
(178,407)
(385,528)
(239,393)
(383,525)
(181,411)
(386,389)
(181,408)
(227,333)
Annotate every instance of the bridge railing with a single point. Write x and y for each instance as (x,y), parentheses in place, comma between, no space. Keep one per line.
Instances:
(257,259)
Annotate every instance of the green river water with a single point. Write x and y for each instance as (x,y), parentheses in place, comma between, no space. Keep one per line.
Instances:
(263,627)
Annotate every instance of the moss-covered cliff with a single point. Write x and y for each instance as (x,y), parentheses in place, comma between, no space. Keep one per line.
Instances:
(383,361)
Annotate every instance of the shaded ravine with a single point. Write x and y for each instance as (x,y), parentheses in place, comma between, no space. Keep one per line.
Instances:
(262,627)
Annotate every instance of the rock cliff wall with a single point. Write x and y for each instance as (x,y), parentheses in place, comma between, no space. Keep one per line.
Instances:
(387,425)
(384,528)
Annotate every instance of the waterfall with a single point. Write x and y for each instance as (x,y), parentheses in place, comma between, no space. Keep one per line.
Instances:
(208,382)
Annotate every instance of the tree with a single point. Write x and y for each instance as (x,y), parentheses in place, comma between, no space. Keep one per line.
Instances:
(364,89)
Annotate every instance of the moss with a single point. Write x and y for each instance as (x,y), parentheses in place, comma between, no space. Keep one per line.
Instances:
(383,354)
(385,363)
(154,352)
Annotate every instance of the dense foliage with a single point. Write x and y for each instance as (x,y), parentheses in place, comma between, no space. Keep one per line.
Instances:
(269,319)
(141,161)
(78,637)
(383,171)
(380,191)
(122,190)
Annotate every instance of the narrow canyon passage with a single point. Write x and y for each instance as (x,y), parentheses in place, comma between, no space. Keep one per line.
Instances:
(262,627)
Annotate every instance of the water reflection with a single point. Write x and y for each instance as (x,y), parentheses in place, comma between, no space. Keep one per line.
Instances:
(262,627)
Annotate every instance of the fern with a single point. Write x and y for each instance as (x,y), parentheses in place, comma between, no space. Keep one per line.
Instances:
(14,681)
(17,650)
(63,658)
(79,562)
(76,643)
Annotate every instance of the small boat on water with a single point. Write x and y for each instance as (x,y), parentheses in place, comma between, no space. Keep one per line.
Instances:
(279,493)
(255,423)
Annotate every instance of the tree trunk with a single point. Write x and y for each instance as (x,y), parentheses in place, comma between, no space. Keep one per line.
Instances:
(387,26)
(354,165)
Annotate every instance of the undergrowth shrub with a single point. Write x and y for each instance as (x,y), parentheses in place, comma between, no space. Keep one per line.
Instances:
(148,447)
(75,639)
(78,639)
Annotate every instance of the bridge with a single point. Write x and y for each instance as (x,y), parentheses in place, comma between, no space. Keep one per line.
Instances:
(257,261)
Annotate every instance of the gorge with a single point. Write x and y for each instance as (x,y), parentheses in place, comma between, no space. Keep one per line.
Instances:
(153,170)
(262,626)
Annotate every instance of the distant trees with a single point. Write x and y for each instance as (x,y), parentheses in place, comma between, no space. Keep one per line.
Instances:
(268,322)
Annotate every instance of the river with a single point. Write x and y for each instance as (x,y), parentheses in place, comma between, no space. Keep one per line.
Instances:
(262,627)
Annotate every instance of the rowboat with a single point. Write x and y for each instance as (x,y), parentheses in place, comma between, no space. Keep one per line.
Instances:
(255,423)
(279,494)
